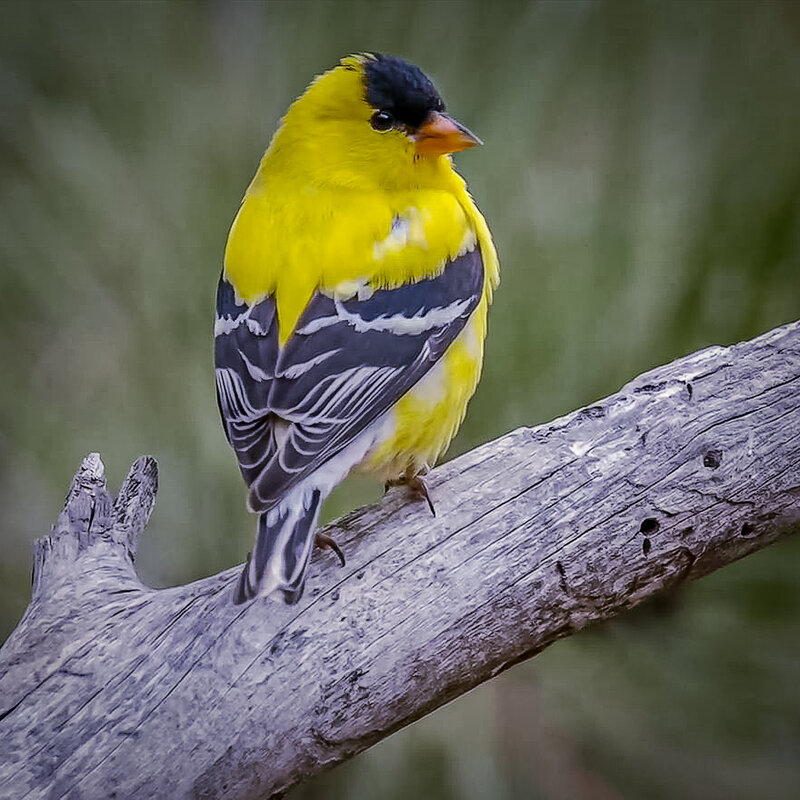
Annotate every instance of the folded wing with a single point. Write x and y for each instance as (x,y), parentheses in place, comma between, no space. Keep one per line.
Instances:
(289,409)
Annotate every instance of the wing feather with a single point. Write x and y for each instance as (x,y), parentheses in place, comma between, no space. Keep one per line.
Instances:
(287,410)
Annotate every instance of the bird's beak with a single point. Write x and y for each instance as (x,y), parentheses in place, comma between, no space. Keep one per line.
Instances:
(440,134)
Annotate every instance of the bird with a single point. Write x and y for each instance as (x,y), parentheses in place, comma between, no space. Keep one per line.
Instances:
(351,311)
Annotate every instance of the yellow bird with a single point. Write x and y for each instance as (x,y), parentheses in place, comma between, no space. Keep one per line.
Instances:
(351,311)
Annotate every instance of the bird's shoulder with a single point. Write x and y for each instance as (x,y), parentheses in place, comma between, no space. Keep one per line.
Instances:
(290,243)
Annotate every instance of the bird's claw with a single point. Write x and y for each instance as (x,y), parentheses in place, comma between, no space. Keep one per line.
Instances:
(325,541)
(417,487)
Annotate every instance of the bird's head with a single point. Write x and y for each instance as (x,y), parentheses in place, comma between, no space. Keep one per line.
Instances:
(373,119)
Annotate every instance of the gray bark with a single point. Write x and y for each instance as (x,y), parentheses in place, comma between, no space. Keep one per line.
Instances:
(112,689)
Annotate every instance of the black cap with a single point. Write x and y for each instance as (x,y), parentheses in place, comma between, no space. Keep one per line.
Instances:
(400,88)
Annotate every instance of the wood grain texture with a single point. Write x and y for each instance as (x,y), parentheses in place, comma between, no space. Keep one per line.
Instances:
(112,689)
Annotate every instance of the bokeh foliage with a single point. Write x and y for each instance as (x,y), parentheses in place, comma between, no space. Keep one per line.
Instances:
(642,177)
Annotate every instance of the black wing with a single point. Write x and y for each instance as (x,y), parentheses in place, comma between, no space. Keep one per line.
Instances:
(288,410)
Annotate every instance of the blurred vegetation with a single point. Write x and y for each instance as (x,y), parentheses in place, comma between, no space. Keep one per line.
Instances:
(641,175)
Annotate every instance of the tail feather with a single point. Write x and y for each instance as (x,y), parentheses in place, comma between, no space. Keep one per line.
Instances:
(282,552)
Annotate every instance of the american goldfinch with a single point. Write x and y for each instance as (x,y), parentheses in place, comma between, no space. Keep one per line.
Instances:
(351,311)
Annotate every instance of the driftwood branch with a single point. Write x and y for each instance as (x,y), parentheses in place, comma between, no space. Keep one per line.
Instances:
(109,688)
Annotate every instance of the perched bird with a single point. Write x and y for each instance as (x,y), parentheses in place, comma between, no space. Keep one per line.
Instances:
(351,311)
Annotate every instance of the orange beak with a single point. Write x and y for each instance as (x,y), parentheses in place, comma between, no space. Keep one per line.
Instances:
(440,134)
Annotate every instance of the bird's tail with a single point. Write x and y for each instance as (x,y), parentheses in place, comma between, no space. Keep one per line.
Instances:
(282,552)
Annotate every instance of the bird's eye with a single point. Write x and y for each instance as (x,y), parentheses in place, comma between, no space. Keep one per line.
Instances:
(382,121)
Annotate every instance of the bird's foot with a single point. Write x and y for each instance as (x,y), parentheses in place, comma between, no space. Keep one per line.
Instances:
(327,542)
(417,487)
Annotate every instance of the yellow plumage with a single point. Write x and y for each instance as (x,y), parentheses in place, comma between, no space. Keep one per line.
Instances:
(342,209)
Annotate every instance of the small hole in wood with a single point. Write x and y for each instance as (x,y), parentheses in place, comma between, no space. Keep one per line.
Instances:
(646,545)
(747,529)
(649,525)
(712,459)
(562,579)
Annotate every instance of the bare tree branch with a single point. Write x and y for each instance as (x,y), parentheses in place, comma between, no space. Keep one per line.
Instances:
(109,688)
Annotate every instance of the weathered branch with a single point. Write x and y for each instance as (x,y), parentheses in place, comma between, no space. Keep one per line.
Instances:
(108,686)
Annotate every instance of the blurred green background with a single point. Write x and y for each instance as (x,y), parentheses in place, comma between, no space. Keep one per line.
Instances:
(641,175)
